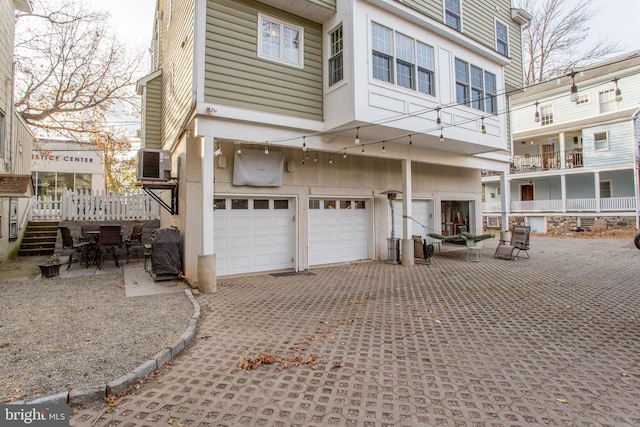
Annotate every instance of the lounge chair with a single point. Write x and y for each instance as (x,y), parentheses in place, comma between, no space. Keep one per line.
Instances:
(461,239)
(519,243)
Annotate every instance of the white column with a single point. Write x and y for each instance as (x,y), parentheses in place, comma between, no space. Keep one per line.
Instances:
(207,258)
(505,200)
(596,179)
(563,192)
(407,194)
(562,149)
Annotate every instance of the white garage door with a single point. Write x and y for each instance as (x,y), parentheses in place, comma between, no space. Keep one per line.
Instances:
(338,230)
(253,234)
(422,215)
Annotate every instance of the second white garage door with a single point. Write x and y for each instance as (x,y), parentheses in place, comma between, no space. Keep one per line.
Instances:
(253,234)
(338,230)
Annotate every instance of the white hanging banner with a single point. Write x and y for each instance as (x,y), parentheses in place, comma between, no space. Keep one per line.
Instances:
(257,169)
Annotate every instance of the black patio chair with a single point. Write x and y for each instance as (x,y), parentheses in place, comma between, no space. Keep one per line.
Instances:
(79,247)
(134,240)
(110,240)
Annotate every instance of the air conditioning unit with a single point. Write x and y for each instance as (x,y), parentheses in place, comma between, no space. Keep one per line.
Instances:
(493,222)
(154,165)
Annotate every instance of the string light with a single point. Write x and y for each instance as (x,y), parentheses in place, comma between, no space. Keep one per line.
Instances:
(363,149)
(304,143)
(239,150)
(439,120)
(344,156)
(315,159)
(266,147)
(410,142)
(484,129)
(441,137)
(330,159)
(357,141)
(618,91)
(384,150)
(574,88)
(537,117)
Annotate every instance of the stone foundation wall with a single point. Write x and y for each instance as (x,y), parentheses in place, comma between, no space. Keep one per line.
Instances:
(564,224)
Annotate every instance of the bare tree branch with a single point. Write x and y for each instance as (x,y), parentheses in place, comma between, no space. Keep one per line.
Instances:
(554,41)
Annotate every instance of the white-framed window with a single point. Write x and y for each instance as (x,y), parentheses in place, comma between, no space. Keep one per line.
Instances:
(405,66)
(280,41)
(336,61)
(583,98)
(399,59)
(607,101)
(462,82)
(601,141)
(426,67)
(475,87)
(502,38)
(453,14)
(546,115)
(490,93)
(382,53)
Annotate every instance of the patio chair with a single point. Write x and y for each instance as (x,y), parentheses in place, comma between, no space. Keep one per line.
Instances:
(134,240)
(110,240)
(79,247)
(519,243)
(474,251)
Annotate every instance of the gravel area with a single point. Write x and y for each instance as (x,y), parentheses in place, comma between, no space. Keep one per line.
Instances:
(63,333)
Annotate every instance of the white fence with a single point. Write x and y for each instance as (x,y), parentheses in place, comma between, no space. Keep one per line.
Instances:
(608,204)
(86,206)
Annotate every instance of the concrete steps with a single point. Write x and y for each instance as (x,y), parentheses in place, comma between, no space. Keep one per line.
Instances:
(39,238)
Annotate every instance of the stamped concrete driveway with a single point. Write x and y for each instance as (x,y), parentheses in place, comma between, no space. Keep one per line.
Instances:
(553,340)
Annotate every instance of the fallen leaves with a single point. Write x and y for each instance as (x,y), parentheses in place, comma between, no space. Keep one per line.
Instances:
(249,364)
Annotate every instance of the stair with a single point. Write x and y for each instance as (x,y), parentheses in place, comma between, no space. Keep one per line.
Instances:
(39,238)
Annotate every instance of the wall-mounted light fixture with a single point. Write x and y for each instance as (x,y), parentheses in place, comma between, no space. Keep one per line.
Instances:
(575,139)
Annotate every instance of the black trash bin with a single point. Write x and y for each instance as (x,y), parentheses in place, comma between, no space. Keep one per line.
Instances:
(166,263)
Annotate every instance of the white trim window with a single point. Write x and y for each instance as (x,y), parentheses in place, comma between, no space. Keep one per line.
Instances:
(607,101)
(336,62)
(502,38)
(475,87)
(546,115)
(583,98)
(606,191)
(601,141)
(453,14)
(401,60)
(280,41)
(382,53)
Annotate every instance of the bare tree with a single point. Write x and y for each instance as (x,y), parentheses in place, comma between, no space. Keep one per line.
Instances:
(72,73)
(554,41)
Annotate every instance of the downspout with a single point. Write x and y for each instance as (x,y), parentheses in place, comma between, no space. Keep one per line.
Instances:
(636,162)
(11,119)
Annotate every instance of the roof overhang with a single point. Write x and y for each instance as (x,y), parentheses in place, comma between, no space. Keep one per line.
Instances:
(15,185)
(23,6)
(140,84)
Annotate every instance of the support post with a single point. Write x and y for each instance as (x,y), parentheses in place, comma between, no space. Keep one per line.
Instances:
(407,238)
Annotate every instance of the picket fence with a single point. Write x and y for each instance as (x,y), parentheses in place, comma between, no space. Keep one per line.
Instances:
(83,205)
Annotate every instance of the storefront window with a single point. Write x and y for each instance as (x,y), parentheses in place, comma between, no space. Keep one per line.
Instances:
(51,184)
(45,184)
(64,182)
(83,181)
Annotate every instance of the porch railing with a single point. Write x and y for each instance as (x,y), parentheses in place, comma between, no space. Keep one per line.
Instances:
(86,206)
(547,161)
(609,204)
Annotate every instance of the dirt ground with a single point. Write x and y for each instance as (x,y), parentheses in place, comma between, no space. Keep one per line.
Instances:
(21,267)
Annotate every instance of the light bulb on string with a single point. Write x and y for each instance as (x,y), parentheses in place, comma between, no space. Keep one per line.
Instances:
(304,143)
(537,116)
(330,159)
(484,129)
(344,155)
(357,140)
(618,92)
(439,120)
(384,150)
(266,148)
(441,137)
(410,142)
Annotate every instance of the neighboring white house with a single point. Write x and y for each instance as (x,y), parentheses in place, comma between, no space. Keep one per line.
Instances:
(292,120)
(15,140)
(575,159)
(59,165)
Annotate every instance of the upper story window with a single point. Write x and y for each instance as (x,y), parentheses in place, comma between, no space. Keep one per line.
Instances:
(402,60)
(475,87)
(279,41)
(601,141)
(453,14)
(502,38)
(382,55)
(607,100)
(546,115)
(582,99)
(336,62)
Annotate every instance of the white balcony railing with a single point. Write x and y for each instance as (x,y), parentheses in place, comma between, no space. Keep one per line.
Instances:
(609,204)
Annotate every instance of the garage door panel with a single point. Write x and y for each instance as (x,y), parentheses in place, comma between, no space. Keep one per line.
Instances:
(338,235)
(252,240)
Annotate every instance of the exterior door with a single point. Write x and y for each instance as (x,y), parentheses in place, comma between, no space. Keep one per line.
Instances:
(526,192)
